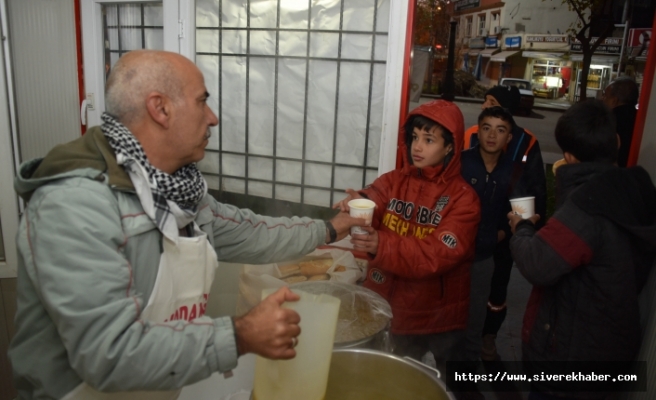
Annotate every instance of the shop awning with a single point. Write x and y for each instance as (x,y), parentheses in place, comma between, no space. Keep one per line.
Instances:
(501,57)
(487,53)
(599,59)
(541,55)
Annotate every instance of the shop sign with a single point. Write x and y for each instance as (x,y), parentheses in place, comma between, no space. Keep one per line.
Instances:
(546,38)
(491,42)
(476,43)
(466,4)
(611,45)
(514,42)
(639,36)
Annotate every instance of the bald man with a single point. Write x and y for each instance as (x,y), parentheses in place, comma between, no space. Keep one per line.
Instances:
(119,244)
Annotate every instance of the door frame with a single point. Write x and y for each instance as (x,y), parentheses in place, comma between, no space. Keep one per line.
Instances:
(9,162)
(93,55)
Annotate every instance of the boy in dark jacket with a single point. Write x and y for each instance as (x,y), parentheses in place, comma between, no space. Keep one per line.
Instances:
(528,180)
(488,169)
(421,241)
(590,261)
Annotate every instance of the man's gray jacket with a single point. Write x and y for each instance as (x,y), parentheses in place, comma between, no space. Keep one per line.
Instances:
(88,260)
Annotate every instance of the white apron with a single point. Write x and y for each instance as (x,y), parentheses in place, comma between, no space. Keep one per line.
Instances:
(183,282)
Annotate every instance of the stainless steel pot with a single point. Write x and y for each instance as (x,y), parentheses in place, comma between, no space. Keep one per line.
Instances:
(360,374)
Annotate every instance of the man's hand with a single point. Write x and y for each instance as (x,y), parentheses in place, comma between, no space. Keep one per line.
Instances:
(342,222)
(367,243)
(268,329)
(343,205)
(513,220)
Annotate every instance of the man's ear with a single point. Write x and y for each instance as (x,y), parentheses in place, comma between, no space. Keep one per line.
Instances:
(570,158)
(158,107)
(509,138)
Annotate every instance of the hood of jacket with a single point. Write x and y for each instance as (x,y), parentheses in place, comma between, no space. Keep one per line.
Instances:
(625,196)
(89,156)
(449,116)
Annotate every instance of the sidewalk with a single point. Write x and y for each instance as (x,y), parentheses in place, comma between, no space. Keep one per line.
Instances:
(553,104)
(540,104)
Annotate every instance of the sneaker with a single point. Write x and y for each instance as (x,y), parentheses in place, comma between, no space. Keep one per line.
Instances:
(489,349)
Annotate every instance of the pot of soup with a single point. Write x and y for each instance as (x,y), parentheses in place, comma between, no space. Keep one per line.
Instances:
(364,374)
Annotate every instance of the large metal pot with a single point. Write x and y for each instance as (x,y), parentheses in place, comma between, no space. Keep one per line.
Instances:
(362,374)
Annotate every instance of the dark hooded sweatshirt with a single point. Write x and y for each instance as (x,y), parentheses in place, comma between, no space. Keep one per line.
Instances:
(588,265)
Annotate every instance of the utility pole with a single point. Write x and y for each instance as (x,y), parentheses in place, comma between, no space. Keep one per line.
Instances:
(449,85)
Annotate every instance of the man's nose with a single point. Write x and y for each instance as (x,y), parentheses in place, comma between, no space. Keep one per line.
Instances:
(214,120)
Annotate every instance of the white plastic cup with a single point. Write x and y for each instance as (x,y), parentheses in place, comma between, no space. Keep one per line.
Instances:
(524,206)
(361,208)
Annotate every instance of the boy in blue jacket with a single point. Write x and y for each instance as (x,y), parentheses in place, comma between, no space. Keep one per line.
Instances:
(488,170)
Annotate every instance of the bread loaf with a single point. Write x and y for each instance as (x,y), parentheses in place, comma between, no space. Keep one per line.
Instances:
(315,267)
(289,270)
(340,268)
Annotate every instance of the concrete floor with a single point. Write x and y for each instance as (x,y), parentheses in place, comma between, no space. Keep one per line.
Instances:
(508,342)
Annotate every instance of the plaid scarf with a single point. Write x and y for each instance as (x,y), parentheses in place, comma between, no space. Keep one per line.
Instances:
(177,195)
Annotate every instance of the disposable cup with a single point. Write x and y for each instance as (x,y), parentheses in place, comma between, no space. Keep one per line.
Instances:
(524,206)
(361,208)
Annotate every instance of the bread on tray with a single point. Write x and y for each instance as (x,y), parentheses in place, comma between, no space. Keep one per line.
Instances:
(321,277)
(315,267)
(289,270)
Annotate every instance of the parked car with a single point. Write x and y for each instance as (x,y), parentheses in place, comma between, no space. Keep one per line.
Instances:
(527,99)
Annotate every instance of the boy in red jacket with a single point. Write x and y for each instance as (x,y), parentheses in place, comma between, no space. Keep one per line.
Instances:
(421,241)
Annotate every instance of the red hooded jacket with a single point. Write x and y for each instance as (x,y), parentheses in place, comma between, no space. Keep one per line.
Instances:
(426,220)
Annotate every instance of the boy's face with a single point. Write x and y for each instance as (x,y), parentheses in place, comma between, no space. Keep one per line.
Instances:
(494,134)
(427,148)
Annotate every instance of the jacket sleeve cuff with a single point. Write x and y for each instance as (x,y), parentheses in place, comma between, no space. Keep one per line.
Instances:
(225,345)
(525,223)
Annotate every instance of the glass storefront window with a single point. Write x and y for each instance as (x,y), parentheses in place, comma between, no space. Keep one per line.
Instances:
(547,78)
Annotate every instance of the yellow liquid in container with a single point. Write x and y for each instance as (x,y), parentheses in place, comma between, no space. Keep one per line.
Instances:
(305,376)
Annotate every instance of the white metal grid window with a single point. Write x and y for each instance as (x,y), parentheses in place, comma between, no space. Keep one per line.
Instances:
(481,25)
(129,27)
(298,87)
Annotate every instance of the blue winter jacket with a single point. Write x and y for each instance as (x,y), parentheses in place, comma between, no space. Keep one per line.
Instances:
(493,190)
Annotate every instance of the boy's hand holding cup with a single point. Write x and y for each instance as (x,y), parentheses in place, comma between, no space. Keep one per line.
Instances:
(522,208)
